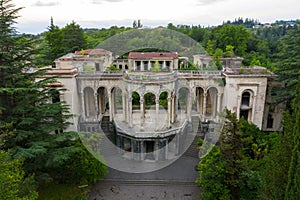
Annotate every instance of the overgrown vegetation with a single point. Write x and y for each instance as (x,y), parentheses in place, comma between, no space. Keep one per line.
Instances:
(247,164)
(34,144)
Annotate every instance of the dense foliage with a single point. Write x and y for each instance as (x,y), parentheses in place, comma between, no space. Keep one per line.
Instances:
(230,169)
(247,164)
(33,119)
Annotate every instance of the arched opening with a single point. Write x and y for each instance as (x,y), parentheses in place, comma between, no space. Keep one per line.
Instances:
(245,107)
(135,101)
(89,102)
(183,103)
(102,100)
(198,107)
(149,100)
(117,100)
(163,100)
(136,105)
(211,102)
(149,112)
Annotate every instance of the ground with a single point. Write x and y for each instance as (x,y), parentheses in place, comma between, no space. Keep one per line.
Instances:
(176,182)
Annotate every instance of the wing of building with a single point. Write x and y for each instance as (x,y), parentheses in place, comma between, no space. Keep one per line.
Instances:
(149,97)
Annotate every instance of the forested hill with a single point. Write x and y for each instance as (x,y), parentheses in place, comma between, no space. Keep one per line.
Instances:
(257,43)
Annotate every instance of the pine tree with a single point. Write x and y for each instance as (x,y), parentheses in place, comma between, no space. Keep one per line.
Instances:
(26,103)
(55,47)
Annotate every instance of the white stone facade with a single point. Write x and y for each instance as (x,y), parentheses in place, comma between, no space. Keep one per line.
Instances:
(93,93)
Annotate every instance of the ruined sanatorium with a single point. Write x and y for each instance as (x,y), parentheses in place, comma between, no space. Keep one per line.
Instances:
(151,98)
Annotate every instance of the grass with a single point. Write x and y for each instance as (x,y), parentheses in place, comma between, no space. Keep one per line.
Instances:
(63,192)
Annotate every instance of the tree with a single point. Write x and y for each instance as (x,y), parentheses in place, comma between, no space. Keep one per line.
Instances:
(230,171)
(237,36)
(293,189)
(212,176)
(13,184)
(62,41)
(217,58)
(210,48)
(156,67)
(54,43)
(73,38)
(289,64)
(26,104)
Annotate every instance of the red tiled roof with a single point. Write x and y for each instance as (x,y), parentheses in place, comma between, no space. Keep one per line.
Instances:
(93,52)
(149,55)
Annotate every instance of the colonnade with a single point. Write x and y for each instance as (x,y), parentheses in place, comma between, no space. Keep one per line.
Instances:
(207,104)
(142,65)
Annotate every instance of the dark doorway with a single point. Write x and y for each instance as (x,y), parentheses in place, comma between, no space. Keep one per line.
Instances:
(149,146)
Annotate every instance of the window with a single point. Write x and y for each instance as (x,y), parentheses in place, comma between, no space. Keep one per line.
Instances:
(270,121)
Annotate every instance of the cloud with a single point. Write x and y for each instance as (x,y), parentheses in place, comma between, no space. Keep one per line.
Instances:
(46,4)
(100,1)
(207,2)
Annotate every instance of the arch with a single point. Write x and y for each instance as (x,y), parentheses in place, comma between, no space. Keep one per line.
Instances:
(136,97)
(149,99)
(89,102)
(102,101)
(183,102)
(199,107)
(246,105)
(211,102)
(163,99)
(117,100)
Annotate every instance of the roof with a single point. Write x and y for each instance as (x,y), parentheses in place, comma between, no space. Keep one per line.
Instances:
(92,52)
(152,55)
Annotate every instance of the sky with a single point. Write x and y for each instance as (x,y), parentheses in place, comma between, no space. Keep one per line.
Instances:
(36,14)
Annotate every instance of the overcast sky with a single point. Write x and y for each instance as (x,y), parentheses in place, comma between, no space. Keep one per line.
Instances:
(36,14)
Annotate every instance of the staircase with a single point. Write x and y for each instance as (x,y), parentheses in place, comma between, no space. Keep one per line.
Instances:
(105,125)
(192,150)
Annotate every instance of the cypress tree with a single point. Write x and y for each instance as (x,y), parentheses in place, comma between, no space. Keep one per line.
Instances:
(289,64)
(293,187)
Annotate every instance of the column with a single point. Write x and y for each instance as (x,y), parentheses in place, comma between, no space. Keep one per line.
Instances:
(82,104)
(219,106)
(130,111)
(176,107)
(173,109)
(215,105)
(96,106)
(100,108)
(200,97)
(134,65)
(124,107)
(142,65)
(149,65)
(164,64)
(253,109)
(142,149)
(169,111)
(110,106)
(156,113)
(238,106)
(132,148)
(142,113)
(204,105)
(167,149)
(189,106)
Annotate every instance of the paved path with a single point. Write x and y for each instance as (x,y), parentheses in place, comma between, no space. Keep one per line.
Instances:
(174,182)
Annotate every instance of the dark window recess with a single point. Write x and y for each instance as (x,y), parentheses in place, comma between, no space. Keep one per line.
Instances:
(270,121)
(97,65)
(246,99)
